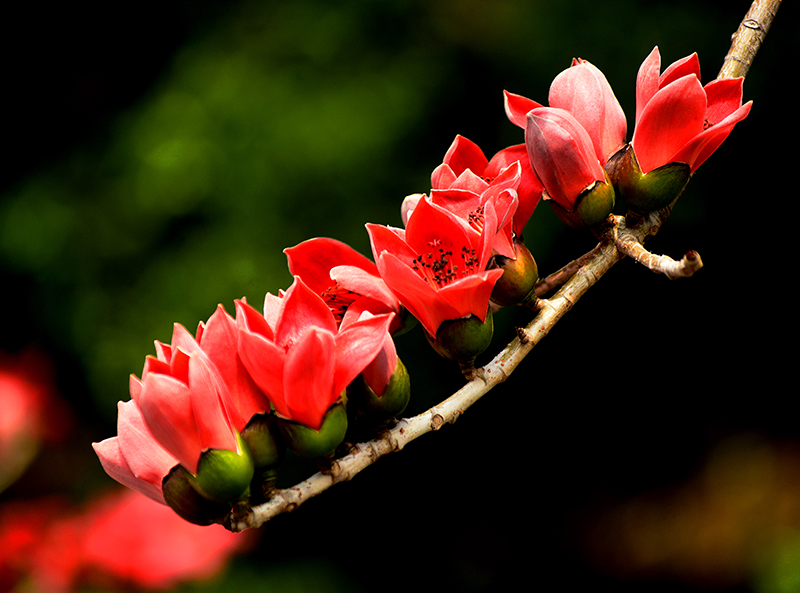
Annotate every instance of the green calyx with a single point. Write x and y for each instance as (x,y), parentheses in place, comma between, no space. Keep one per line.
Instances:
(182,495)
(309,442)
(381,408)
(463,339)
(224,475)
(516,285)
(646,192)
(263,440)
(592,206)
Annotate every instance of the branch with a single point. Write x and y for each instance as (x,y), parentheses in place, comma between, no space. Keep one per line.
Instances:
(748,38)
(617,240)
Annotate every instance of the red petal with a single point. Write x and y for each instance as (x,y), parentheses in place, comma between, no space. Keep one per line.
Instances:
(220,342)
(309,377)
(723,97)
(529,190)
(416,295)
(470,295)
(384,238)
(379,372)
(704,144)
(464,154)
(671,119)
(690,65)
(647,81)
(302,308)
(357,346)
(517,108)
(264,362)
(313,259)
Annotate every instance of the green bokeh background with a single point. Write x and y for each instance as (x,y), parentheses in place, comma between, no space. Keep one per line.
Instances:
(161,157)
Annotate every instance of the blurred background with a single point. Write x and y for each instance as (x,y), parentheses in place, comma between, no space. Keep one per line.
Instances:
(161,155)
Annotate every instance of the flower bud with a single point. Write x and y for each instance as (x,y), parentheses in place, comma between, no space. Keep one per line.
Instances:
(308,442)
(646,192)
(180,493)
(516,285)
(224,475)
(381,408)
(463,339)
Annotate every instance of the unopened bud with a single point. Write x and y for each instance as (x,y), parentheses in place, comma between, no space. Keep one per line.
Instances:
(380,408)
(516,285)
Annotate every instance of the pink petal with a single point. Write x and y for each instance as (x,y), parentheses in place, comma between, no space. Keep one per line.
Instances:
(365,284)
(148,461)
(114,464)
(441,178)
(166,406)
(562,154)
(211,418)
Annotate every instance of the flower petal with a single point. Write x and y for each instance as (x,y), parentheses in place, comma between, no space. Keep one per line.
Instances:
(313,259)
(671,119)
(517,108)
(357,346)
(309,377)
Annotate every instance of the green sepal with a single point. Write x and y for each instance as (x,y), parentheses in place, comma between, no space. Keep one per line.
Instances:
(646,192)
(181,495)
(463,339)
(519,278)
(263,440)
(309,442)
(592,206)
(224,475)
(381,408)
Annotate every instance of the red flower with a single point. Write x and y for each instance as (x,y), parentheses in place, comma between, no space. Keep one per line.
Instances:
(299,332)
(466,168)
(679,120)
(133,457)
(132,541)
(181,399)
(437,265)
(352,287)
(562,154)
(584,91)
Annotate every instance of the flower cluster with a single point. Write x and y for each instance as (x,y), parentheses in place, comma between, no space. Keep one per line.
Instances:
(212,414)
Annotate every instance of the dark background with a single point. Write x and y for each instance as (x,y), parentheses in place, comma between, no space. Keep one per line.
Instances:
(161,155)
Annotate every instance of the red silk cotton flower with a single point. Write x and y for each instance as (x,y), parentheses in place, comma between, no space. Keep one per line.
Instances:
(437,265)
(351,286)
(180,396)
(466,168)
(677,119)
(298,356)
